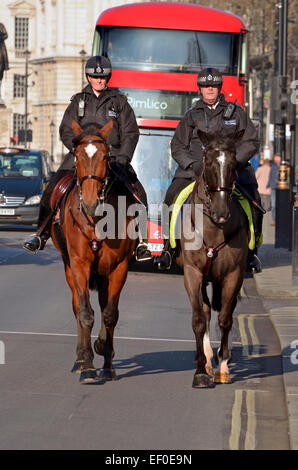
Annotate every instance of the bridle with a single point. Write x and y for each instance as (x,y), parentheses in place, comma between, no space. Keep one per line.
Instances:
(210,189)
(211,252)
(94,243)
(104,180)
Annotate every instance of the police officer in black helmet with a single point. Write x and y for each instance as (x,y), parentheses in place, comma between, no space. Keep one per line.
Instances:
(212,113)
(96,103)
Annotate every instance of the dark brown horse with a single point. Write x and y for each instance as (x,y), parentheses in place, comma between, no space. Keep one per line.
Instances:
(92,261)
(218,254)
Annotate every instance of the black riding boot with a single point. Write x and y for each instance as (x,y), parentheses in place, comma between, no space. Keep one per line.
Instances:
(38,240)
(254,264)
(164,261)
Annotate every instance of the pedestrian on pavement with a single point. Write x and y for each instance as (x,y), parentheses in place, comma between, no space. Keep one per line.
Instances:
(96,103)
(262,176)
(272,184)
(212,113)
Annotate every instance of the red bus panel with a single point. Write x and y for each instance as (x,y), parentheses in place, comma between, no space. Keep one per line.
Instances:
(171,16)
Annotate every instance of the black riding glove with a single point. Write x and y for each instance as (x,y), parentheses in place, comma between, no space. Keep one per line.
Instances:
(196,167)
(121,166)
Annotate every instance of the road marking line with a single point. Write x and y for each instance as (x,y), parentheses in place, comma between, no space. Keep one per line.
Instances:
(116,337)
(255,343)
(236,421)
(236,424)
(250,438)
(243,335)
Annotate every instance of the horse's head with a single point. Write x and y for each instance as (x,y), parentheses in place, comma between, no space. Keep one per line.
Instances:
(91,162)
(218,172)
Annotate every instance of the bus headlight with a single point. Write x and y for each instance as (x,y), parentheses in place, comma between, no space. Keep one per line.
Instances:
(33,200)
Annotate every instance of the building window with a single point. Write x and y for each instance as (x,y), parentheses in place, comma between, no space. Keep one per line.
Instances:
(18,123)
(18,86)
(21,34)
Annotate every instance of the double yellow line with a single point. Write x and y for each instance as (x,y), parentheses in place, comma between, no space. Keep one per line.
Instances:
(244,406)
(255,343)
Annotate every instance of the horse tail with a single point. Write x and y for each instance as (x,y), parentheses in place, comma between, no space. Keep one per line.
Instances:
(216,297)
(94,281)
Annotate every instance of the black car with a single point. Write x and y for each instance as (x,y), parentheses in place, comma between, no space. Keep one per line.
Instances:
(23,176)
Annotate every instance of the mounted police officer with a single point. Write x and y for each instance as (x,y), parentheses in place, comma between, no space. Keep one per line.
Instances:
(96,103)
(213,114)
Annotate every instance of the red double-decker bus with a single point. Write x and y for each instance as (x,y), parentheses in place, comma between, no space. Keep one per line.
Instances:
(157,51)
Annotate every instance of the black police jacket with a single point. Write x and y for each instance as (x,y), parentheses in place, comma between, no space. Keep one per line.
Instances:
(187,147)
(109,105)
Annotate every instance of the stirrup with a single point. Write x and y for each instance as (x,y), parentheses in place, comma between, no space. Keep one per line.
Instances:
(164,261)
(35,243)
(142,253)
(254,265)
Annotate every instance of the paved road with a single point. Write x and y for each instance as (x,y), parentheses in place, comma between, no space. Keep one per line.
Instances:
(152,405)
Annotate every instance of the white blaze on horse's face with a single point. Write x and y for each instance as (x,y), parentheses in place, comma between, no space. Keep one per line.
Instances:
(90,150)
(221,160)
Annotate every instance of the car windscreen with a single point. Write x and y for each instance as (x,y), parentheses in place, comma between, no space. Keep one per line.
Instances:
(20,166)
(154,165)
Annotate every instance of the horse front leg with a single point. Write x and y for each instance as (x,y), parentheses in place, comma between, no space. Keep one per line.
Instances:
(109,301)
(77,276)
(193,283)
(206,341)
(230,291)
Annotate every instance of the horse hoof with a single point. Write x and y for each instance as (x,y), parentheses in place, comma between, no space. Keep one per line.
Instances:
(222,378)
(89,376)
(77,367)
(209,371)
(108,374)
(99,346)
(202,381)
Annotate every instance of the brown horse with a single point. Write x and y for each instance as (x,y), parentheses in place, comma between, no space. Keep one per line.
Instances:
(92,262)
(218,254)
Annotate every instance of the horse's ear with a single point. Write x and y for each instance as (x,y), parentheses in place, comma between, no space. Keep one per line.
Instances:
(206,137)
(105,130)
(76,128)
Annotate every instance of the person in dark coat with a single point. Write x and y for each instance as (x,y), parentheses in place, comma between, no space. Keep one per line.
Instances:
(210,114)
(96,103)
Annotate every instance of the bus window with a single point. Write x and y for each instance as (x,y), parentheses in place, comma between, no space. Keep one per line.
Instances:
(167,50)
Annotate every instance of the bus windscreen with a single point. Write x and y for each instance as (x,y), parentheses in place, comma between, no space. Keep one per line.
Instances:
(166,50)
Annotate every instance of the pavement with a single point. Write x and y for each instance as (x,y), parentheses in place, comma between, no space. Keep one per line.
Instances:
(279,294)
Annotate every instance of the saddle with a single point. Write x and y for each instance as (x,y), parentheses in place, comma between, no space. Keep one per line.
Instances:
(182,199)
(59,194)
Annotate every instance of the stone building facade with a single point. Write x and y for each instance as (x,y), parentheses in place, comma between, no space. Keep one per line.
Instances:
(58,35)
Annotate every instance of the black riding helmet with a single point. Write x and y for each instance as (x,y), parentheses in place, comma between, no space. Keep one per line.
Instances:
(98,66)
(210,77)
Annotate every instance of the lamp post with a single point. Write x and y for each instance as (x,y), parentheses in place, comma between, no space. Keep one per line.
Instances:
(52,129)
(83,54)
(27,54)
(283,197)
